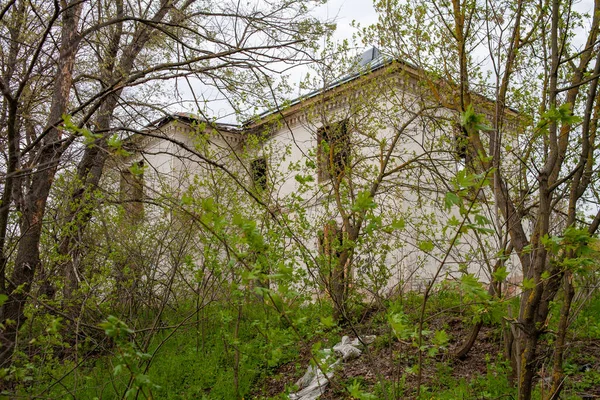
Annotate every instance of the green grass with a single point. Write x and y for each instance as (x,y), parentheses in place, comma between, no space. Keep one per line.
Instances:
(200,363)
(188,365)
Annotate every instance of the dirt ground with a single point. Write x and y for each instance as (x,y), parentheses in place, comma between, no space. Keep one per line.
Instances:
(389,359)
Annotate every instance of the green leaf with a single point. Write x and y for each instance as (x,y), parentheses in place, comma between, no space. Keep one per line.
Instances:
(468,117)
(481,220)
(356,392)
(328,322)
(316,347)
(470,120)
(400,325)
(117,369)
(528,283)
(500,274)
(562,114)
(472,286)
(426,246)
(304,179)
(137,169)
(440,338)
(545,275)
(453,221)
(186,199)
(208,205)
(143,380)
(465,180)
(432,351)
(399,224)
(412,370)
(363,202)
(451,199)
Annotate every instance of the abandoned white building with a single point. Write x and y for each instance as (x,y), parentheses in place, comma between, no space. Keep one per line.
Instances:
(375,161)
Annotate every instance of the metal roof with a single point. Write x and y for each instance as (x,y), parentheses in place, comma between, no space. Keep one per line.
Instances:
(370,61)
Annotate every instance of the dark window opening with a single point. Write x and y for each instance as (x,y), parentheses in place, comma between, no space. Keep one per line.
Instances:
(461,141)
(333,152)
(258,169)
(132,190)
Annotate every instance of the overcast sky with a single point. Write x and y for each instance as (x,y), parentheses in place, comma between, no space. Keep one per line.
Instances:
(343,12)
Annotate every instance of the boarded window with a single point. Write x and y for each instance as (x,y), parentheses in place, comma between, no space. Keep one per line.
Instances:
(333,272)
(258,169)
(333,152)
(330,239)
(132,190)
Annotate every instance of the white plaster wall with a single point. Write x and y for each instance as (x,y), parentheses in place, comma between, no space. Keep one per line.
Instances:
(291,146)
(295,142)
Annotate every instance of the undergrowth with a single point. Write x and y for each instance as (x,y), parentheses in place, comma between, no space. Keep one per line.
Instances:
(225,353)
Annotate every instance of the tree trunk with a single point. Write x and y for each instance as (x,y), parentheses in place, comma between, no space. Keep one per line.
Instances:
(494,291)
(461,354)
(528,364)
(33,202)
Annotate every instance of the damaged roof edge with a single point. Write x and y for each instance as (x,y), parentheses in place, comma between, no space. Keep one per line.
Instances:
(370,61)
(193,118)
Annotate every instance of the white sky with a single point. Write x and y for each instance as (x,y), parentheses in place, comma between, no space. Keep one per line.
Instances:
(343,12)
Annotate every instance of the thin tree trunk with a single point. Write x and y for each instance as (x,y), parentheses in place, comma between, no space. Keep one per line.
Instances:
(461,354)
(91,166)
(559,344)
(493,291)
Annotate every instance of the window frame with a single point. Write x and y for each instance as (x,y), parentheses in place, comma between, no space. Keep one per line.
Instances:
(338,146)
(131,190)
(259,172)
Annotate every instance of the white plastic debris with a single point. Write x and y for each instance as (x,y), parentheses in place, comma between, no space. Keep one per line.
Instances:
(314,382)
(346,349)
(368,339)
